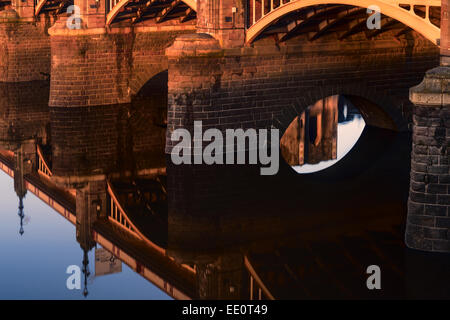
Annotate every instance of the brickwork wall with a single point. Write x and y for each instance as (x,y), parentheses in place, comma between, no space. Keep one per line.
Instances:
(265,85)
(106,139)
(24,52)
(24,112)
(215,17)
(428,226)
(105,69)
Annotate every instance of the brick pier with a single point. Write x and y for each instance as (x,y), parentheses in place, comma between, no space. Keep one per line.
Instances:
(25,49)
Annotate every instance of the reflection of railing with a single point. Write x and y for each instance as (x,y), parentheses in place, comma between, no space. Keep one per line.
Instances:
(258,291)
(38,5)
(43,167)
(39,188)
(117,214)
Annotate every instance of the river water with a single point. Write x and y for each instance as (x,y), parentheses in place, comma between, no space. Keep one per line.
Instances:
(336,207)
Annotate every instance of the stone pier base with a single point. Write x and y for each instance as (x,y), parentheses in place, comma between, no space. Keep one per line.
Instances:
(428,224)
(89,69)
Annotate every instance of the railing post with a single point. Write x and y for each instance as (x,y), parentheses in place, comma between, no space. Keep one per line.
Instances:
(254,12)
(445,34)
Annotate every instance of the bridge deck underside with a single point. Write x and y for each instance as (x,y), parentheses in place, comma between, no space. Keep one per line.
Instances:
(342,21)
(54,7)
(4,3)
(158,11)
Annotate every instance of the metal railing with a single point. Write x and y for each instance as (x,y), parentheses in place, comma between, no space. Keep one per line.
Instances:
(414,13)
(257,289)
(258,9)
(43,166)
(110,4)
(116,213)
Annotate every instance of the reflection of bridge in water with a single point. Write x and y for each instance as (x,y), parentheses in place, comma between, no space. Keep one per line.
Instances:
(254,64)
(131,240)
(136,240)
(118,234)
(257,250)
(110,185)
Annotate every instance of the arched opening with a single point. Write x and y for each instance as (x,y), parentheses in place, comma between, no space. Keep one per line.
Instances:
(335,128)
(322,135)
(149,117)
(368,184)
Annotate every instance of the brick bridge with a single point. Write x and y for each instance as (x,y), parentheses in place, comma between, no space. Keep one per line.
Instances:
(253,64)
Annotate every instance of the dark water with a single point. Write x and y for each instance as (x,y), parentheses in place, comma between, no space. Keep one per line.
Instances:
(196,231)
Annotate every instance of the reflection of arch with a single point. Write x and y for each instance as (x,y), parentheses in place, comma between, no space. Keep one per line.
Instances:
(120,6)
(256,282)
(389,8)
(384,113)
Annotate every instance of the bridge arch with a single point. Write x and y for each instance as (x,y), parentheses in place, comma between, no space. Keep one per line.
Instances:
(391,8)
(378,108)
(56,6)
(146,74)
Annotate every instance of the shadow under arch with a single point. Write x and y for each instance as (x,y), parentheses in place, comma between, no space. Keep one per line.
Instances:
(152,100)
(148,75)
(385,130)
(158,83)
(377,107)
